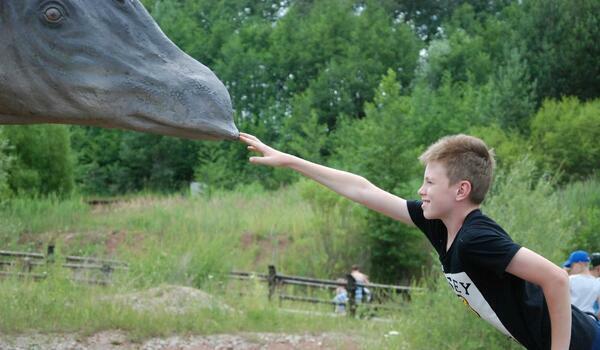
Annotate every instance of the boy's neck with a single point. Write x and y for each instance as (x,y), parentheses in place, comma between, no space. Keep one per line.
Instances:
(456,219)
(582,271)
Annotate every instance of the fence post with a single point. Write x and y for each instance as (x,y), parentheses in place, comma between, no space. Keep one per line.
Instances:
(50,254)
(107,270)
(272,279)
(351,289)
(27,264)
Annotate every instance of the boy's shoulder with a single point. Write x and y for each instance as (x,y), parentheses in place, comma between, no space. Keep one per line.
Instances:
(481,236)
(477,224)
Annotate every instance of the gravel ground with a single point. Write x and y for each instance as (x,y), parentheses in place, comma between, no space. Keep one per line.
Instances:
(116,340)
(176,299)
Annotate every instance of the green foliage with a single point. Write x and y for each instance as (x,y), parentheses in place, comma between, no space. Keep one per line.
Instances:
(114,161)
(43,160)
(461,56)
(583,200)
(565,137)
(5,165)
(98,165)
(509,146)
(383,148)
(337,220)
(29,218)
(559,39)
(309,137)
(509,98)
(339,53)
(295,69)
(527,206)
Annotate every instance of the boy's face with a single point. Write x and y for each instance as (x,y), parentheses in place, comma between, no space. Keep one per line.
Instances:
(436,193)
(579,267)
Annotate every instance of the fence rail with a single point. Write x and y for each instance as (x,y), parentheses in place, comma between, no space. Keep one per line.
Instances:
(22,264)
(276,281)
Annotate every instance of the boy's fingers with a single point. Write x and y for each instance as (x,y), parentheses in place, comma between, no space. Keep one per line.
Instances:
(248,141)
(250,137)
(257,160)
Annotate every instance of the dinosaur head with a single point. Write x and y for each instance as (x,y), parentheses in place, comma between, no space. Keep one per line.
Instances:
(104,63)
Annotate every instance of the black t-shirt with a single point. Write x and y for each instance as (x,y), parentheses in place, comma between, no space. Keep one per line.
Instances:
(475,268)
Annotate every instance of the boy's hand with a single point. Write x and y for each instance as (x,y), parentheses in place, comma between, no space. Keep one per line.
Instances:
(270,156)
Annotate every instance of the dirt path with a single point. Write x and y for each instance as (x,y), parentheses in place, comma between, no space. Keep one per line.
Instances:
(116,340)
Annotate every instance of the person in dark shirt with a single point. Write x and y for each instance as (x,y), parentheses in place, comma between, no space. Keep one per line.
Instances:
(516,290)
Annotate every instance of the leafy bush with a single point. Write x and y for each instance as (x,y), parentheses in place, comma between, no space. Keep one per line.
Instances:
(565,137)
(339,228)
(509,147)
(44,162)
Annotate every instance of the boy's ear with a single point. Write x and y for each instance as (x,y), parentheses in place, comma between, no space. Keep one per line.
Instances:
(463,191)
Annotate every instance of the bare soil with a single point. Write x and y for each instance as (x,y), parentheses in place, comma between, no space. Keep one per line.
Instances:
(117,340)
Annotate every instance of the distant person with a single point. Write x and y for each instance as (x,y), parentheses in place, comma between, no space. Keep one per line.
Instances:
(595,262)
(585,287)
(363,294)
(358,275)
(595,271)
(341,297)
(519,292)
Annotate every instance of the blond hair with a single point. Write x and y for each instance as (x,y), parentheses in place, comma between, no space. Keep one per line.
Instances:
(465,158)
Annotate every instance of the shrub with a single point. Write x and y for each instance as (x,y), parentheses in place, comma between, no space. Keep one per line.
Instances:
(565,137)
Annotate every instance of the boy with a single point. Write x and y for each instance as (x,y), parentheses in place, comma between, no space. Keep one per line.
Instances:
(518,291)
(584,287)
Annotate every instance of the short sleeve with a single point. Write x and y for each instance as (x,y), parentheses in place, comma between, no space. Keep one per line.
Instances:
(487,248)
(434,230)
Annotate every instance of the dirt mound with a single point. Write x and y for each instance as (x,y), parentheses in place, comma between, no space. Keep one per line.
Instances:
(172,299)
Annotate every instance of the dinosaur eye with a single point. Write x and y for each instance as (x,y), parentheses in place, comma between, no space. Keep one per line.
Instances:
(53,15)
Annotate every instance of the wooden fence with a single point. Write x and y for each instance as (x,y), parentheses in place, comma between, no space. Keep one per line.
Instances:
(275,281)
(84,269)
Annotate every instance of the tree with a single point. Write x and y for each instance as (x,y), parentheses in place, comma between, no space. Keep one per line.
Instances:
(510,95)
(384,148)
(43,160)
(116,161)
(559,40)
(428,16)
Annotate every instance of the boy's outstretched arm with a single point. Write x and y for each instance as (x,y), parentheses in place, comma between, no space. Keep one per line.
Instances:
(351,186)
(554,281)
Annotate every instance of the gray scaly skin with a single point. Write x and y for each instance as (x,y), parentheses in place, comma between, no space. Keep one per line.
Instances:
(104,63)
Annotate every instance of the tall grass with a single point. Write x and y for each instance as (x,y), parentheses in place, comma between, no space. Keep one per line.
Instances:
(583,200)
(34,217)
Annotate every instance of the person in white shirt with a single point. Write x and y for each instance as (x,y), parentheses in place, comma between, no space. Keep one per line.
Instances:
(595,260)
(585,287)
